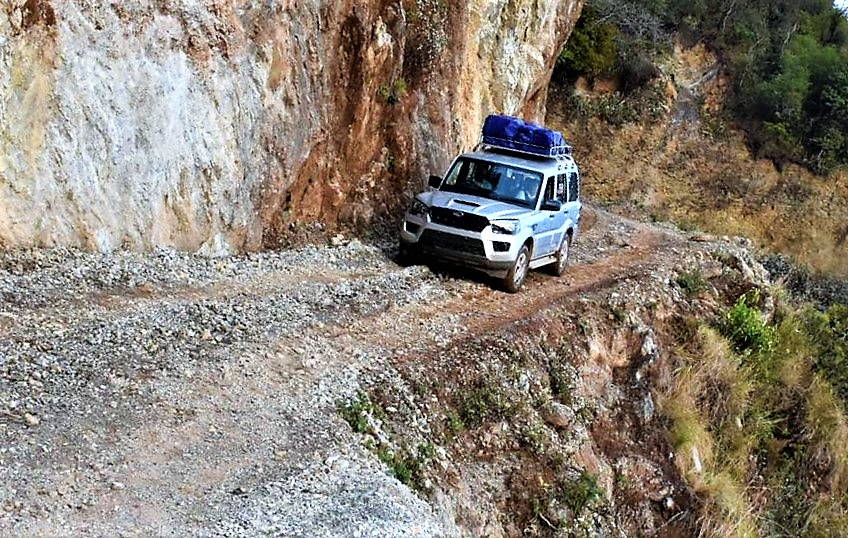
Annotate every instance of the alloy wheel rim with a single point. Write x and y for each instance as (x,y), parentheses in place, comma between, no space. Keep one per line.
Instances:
(521,270)
(563,254)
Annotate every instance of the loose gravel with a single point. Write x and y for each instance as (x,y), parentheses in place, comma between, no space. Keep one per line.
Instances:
(94,342)
(170,394)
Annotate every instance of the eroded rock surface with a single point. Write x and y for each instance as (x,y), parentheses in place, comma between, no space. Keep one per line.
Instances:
(193,124)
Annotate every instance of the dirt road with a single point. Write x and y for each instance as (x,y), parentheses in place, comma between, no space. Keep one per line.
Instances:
(173,395)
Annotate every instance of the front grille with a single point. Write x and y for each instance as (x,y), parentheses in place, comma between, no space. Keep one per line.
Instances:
(453,242)
(412,228)
(458,219)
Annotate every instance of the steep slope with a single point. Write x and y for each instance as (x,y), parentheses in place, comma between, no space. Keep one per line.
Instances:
(184,123)
(667,152)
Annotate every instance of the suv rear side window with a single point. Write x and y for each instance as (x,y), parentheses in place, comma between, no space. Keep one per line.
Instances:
(551,189)
(573,187)
(562,188)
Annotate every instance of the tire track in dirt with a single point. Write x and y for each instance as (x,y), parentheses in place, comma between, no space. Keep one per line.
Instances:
(484,310)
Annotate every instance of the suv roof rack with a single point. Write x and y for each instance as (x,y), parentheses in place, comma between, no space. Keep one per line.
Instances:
(558,153)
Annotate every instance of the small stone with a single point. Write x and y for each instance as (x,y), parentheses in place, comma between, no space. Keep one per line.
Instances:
(117,486)
(31,420)
(648,408)
(558,415)
(702,238)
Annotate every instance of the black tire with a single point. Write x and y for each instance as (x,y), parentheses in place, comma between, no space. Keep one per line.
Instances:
(515,278)
(407,257)
(561,264)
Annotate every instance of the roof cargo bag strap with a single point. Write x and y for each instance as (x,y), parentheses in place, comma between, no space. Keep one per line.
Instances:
(515,134)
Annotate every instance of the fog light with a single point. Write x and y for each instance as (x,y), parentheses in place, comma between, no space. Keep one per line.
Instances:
(500,246)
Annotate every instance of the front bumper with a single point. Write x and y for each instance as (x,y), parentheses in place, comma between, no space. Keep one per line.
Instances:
(492,253)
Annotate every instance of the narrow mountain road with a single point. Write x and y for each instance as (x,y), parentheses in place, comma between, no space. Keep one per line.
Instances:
(173,395)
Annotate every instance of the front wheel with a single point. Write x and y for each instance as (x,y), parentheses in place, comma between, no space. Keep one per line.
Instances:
(558,267)
(514,280)
(407,256)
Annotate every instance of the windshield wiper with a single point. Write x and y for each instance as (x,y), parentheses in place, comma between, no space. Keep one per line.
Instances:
(511,201)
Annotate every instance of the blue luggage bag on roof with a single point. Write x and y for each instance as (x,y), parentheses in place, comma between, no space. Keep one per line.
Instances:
(514,133)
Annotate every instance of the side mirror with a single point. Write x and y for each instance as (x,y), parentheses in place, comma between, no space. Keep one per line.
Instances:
(434,182)
(552,205)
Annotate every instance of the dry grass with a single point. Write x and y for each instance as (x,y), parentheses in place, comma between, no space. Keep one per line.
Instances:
(828,519)
(705,405)
(727,511)
(725,412)
(793,354)
(681,175)
(827,428)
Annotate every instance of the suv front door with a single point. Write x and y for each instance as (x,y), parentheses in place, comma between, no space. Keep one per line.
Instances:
(549,234)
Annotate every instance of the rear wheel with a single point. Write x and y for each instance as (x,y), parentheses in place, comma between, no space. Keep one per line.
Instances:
(558,267)
(514,280)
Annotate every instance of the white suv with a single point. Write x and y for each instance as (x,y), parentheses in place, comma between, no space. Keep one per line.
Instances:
(498,210)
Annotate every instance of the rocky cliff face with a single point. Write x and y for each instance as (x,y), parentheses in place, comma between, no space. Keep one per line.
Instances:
(213,124)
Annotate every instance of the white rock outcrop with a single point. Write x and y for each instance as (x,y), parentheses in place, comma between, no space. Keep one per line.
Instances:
(181,123)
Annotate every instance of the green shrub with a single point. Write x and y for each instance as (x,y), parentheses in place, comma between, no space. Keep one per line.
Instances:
(746,329)
(615,109)
(692,282)
(394,92)
(829,332)
(534,438)
(454,422)
(580,493)
(592,48)
(563,383)
(486,403)
(636,71)
(357,411)
(407,466)
(778,143)
(714,126)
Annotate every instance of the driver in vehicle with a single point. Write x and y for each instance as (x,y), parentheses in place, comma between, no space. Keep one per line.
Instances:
(518,186)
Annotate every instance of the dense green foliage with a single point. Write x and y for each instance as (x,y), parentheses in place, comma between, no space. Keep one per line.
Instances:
(829,332)
(581,492)
(592,48)
(787,58)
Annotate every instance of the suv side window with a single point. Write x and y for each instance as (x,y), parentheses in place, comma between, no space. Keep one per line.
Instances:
(550,189)
(562,187)
(574,187)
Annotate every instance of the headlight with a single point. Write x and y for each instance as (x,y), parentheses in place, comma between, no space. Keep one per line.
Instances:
(419,209)
(508,227)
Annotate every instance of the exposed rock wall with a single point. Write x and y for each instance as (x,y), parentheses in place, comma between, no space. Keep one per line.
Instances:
(188,124)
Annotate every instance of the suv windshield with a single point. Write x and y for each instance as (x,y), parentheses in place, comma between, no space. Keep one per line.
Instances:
(494,181)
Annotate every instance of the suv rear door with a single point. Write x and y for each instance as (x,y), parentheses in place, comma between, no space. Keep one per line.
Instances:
(571,199)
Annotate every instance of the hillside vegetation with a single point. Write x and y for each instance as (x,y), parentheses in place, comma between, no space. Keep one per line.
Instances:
(787,60)
(662,126)
(757,415)
(728,117)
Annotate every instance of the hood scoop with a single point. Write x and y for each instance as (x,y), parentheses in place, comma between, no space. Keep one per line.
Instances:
(463,202)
